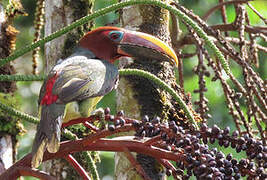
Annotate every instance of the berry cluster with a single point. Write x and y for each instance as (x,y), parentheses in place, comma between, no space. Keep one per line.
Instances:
(199,160)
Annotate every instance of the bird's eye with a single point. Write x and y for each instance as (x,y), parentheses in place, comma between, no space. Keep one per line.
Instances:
(115,35)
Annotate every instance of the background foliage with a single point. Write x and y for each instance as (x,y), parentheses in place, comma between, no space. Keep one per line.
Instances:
(28,92)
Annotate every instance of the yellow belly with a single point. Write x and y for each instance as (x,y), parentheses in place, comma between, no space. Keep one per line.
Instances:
(76,110)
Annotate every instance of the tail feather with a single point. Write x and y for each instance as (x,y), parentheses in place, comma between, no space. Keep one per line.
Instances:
(37,156)
(53,144)
(48,132)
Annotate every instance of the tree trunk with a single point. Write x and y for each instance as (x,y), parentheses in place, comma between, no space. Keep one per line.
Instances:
(7,139)
(59,14)
(138,96)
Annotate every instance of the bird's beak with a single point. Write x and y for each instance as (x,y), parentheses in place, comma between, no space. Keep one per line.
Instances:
(140,45)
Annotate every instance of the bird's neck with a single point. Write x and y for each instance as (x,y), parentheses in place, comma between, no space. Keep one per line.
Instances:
(83,52)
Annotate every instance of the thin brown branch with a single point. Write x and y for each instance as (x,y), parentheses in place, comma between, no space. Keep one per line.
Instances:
(257,12)
(224,16)
(253,50)
(229,50)
(248,28)
(175,32)
(237,41)
(203,101)
(188,40)
(181,75)
(220,5)
(240,23)
(227,90)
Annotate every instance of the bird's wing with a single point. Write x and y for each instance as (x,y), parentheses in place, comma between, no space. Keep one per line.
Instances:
(80,78)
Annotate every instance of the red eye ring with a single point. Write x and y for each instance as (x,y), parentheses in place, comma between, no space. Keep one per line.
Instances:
(116,35)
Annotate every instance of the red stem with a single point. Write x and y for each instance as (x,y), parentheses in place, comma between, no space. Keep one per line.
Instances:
(90,126)
(101,134)
(79,120)
(86,144)
(95,142)
(90,119)
(18,171)
(77,167)
(153,140)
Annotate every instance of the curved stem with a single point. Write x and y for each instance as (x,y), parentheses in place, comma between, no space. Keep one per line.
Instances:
(88,158)
(19,114)
(18,171)
(4,77)
(115,7)
(164,86)
(207,15)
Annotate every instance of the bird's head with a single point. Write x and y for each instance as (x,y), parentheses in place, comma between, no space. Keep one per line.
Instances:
(111,43)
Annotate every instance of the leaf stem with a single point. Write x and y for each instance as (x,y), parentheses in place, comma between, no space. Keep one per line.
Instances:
(30,77)
(164,86)
(19,114)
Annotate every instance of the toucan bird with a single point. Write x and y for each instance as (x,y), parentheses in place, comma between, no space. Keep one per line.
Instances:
(76,84)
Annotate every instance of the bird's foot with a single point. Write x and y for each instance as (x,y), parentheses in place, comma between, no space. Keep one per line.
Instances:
(101,114)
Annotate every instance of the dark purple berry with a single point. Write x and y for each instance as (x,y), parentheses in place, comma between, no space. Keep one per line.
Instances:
(143,134)
(168,172)
(107,111)
(203,127)
(212,140)
(122,121)
(226,130)
(215,130)
(235,133)
(111,118)
(117,122)
(145,119)
(111,127)
(229,157)
(136,124)
(120,113)
(156,120)
(259,156)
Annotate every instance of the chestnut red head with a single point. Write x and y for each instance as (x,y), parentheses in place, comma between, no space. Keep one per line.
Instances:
(111,43)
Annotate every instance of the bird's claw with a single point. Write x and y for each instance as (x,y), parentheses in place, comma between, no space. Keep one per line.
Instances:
(101,114)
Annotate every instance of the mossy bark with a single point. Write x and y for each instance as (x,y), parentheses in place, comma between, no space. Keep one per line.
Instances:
(59,14)
(140,93)
(8,125)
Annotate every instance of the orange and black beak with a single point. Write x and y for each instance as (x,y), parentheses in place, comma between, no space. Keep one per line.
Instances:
(141,45)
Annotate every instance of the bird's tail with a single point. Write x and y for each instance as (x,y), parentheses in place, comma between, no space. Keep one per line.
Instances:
(48,132)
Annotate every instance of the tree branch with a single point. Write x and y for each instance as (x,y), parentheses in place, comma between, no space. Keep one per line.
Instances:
(232,27)
(207,15)
(87,144)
